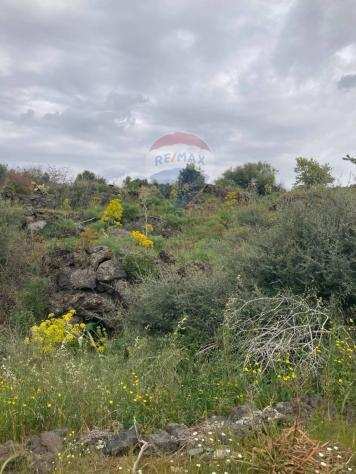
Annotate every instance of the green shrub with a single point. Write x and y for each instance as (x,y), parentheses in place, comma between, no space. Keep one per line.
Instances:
(60,228)
(254,216)
(11,215)
(5,236)
(35,297)
(175,220)
(139,265)
(194,300)
(259,176)
(22,320)
(311,248)
(131,212)
(82,193)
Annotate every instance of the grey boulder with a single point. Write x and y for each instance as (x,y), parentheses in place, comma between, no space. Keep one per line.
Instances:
(110,270)
(83,279)
(121,444)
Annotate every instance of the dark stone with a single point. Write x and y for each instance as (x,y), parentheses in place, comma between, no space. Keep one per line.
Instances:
(79,279)
(35,445)
(56,260)
(8,449)
(36,226)
(166,257)
(93,437)
(89,306)
(163,442)
(52,441)
(43,463)
(240,411)
(46,442)
(178,431)
(195,452)
(83,279)
(286,408)
(99,254)
(121,444)
(63,279)
(110,270)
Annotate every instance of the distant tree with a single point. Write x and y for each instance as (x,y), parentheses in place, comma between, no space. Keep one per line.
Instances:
(3,172)
(89,176)
(132,186)
(260,176)
(349,158)
(311,173)
(192,177)
(190,181)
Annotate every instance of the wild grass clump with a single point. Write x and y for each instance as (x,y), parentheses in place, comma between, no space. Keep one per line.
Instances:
(152,381)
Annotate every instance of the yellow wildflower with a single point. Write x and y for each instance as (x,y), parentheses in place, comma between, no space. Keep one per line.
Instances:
(141,239)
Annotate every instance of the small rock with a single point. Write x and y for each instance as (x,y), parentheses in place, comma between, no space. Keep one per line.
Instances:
(94,436)
(121,443)
(109,271)
(43,463)
(179,431)
(35,445)
(88,305)
(83,279)
(36,226)
(52,441)
(99,254)
(8,449)
(195,452)
(241,411)
(166,257)
(164,442)
(214,422)
(286,408)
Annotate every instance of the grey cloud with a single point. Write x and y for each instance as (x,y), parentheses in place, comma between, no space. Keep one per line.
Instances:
(347,82)
(93,84)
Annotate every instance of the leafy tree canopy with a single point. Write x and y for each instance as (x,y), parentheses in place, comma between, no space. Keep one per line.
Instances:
(89,176)
(260,176)
(311,173)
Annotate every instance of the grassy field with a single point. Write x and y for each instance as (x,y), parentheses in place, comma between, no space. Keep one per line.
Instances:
(239,298)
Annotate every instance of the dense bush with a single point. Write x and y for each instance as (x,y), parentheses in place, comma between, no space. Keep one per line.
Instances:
(35,297)
(311,248)
(193,300)
(61,227)
(131,212)
(259,176)
(139,265)
(83,193)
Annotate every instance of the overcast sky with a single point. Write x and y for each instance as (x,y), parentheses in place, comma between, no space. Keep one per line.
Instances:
(92,83)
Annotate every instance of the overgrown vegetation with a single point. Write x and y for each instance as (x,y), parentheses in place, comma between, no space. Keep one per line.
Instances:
(229,293)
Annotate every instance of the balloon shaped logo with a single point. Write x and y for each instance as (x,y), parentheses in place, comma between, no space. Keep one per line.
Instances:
(174,151)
